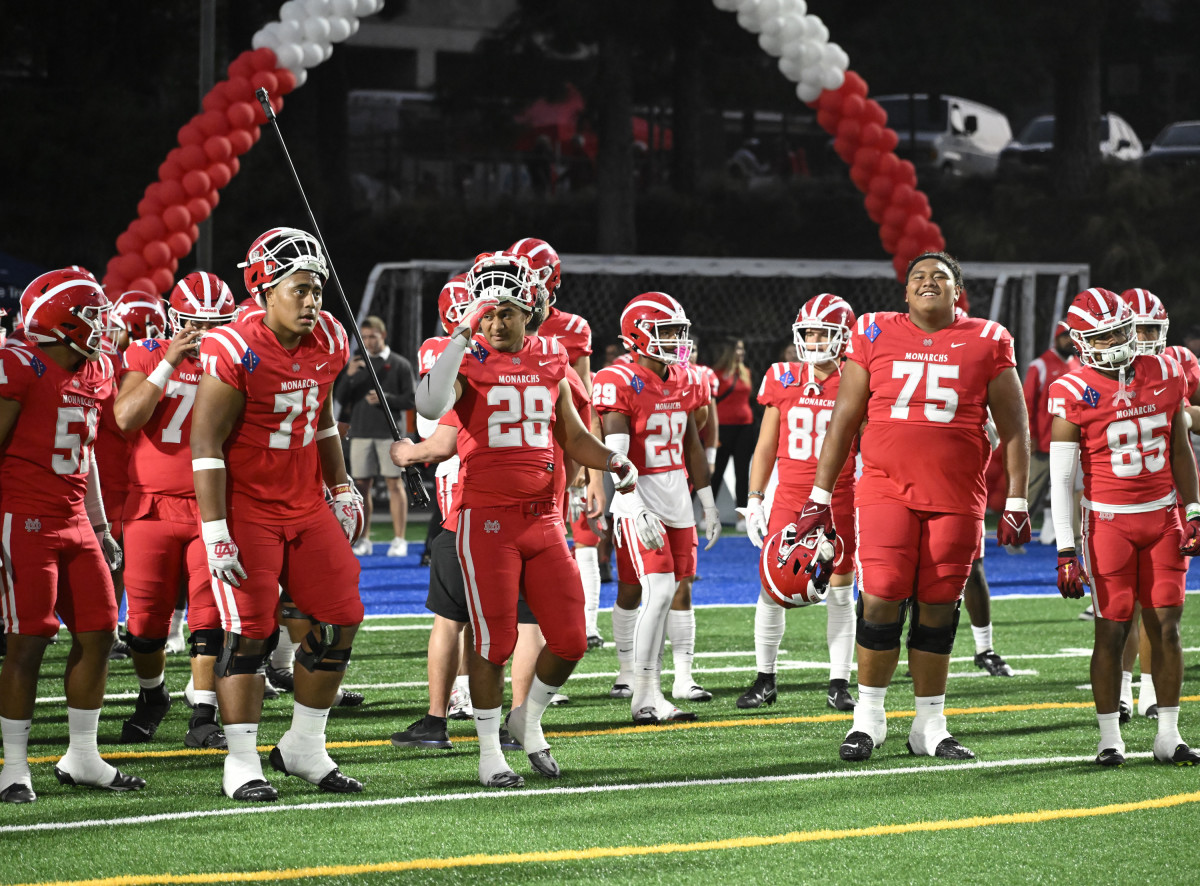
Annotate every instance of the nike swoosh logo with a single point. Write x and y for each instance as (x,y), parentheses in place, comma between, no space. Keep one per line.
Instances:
(959,344)
(321,366)
(1158,391)
(544,362)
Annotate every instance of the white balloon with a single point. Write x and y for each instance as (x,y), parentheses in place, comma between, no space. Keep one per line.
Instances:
(339,29)
(313,55)
(726,5)
(344,8)
(289,55)
(742,4)
(808,53)
(326,51)
(792,49)
(301,76)
(354,26)
(265,38)
(791,27)
(817,29)
(316,29)
(773,26)
(290,32)
(747,19)
(790,69)
(800,8)
(807,92)
(767,9)
(837,56)
(365,7)
(811,73)
(293,11)
(771,44)
(831,77)
(317,7)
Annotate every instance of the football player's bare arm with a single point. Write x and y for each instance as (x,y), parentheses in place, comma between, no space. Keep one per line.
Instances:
(136,400)
(764,450)
(574,437)
(329,448)
(1193,416)
(1183,463)
(217,408)
(844,423)
(597,498)
(1006,399)
(9,410)
(437,447)
(693,455)
(615,423)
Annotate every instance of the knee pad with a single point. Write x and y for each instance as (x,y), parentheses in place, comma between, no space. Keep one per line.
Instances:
(145,645)
(207,641)
(319,656)
(289,610)
(879,637)
(229,662)
(937,641)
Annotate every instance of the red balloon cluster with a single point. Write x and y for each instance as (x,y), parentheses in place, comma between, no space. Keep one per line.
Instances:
(190,178)
(863,140)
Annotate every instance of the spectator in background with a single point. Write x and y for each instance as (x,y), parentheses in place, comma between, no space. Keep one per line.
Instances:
(540,165)
(736,420)
(370,434)
(1055,362)
(744,165)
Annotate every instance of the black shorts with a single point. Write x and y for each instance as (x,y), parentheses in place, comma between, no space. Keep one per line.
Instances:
(447,595)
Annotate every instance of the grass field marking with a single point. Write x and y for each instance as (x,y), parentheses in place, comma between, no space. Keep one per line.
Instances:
(567,855)
(324,806)
(420,627)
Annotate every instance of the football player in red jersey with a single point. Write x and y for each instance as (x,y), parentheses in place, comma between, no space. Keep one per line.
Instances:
(571,330)
(162,528)
(1055,361)
(264,447)
(55,540)
(924,380)
(1121,415)
(798,400)
(646,410)
(511,395)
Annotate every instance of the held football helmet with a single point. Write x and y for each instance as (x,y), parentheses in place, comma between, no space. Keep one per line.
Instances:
(200,297)
(453,301)
(646,318)
(507,278)
(796,572)
(827,312)
(65,307)
(1149,311)
(544,261)
(1100,312)
(139,315)
(279,253)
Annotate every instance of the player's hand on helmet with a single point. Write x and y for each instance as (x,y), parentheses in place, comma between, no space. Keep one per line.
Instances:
(347,507)
(184,344)
(756,520)
(814,515)
(473,316)
(576,502)
(1014,527)
(623,471)
(224,563)
(1191,537)
(1071,576)
(110,547)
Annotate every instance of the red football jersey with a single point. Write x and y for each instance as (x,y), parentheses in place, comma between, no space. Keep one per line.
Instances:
(429,351)
(1041,373)
(924,444)
(707,379)
(805,406)
(161,460)
(1124,444)
(274,474)
(112,452)
(571,331)
(45,461)
(507,414)
(1189,364)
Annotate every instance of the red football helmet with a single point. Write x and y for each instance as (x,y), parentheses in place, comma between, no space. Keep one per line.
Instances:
(1100,312)
(831,314)
(453,301)
(544,261)
(644,319)
(279,253)
(506,278)
(795,572)
(65,307)
(200,297)
(139,315)
(1149,311)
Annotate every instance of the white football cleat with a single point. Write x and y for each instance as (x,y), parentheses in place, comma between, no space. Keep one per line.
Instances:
(398,548)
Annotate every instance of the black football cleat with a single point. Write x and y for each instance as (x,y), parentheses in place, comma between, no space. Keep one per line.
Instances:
(1124,712)
(281,679)
(763,692)
(205,733)
(17,793)
(544,764)
(257,790)
(119,651)
(1151,712)
(334,781)
(620,690)
(1182,756)
(148,712)
(428,733)
(350,699)
(856,747)
(120,781)
(949,748)
(993,664)
(595,641)
(1110,757)
(505,779)
(839,697)
(508,743)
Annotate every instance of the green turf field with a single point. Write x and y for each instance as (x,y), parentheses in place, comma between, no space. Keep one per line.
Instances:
(742,796)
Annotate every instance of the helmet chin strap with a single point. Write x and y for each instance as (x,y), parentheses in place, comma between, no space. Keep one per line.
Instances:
(811,387)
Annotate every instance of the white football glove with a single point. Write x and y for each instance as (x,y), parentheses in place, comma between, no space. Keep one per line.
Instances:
(347,507)
(647,527)
(712,516)
(110,547)
(223,560)
(756,521)
(576,502)
(623,471)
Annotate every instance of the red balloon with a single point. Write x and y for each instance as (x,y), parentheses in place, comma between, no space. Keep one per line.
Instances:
(873,112)
(875,206)
(852,106)
(113,282)
(219,174)
(845,149)
(861,177)
(255,133)
(853,85)
(867,158)
(141,284)
(830,100)
(918,204)
(173,192)
(287,80)
(193,232)
(901,266)
(263,59)
(901,193)
(828,120)
(199,209)
(156,253)
(170,170)
(149,206)
(914,227)
(881,185)
(238,89)
(131,265)
(240,140)
(213,123)
(895,215)
(218,149)
(906,173)
(887,166)
(908,247)
(197,183)
(212,198)
(163,278)
(176,218)
(888,238)
(849,130)
(266,80)
(234,165)
(888,140)
(242,66)
(240,115)
(193,157)
(152,228)
(871,134)
(127,241)
(191,133)
(214,101)
(179,244)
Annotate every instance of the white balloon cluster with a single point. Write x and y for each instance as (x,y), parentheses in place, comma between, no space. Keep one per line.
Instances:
(307,29)
(799,41)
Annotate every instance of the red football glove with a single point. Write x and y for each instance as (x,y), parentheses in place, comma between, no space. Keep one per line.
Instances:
(1191,538)
(1013,528)
(474,316)
(814,516)
(1071,577)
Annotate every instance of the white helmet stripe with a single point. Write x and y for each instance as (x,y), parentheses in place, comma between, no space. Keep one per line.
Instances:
(42,299)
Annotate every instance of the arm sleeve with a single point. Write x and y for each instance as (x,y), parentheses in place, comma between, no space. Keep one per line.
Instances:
(93,501)
(1063,457)
(435,394)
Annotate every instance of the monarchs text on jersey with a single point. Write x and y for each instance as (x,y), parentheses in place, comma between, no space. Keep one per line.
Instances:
(274,473)
(924,443)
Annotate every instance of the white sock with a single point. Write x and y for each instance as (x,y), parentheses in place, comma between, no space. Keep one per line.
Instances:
(242,764)
(491,758)
(532,708)
(307,735)
(82,759)
(1110,732)
(176,632)
(588,560)
(658,590)
(1168,729)
(929,724)
(983,638)
(204,696)
(16,752)
(624,626)
(1127,688)
(869,714)
(150,682)
(839,630)
(284,655)
(1147,693)
(681,630)
(769,624)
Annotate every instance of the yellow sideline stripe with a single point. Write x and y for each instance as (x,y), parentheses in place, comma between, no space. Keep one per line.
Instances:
(635,730)
(596,852)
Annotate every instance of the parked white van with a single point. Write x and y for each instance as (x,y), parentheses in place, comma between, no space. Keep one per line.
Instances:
(947,134)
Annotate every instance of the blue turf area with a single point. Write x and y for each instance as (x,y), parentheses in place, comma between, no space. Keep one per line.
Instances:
(728,574)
